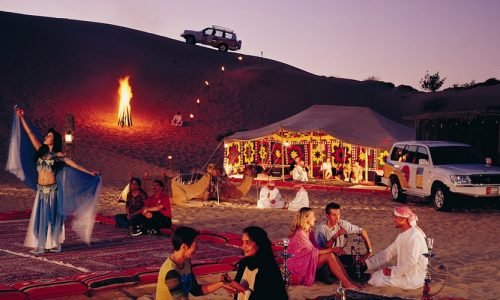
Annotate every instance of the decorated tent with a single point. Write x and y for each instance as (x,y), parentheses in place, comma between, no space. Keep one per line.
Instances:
(340,135)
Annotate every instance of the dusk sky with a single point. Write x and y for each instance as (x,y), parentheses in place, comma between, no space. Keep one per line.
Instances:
(392,40)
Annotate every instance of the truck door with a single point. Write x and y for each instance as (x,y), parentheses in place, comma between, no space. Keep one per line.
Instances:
(411,166)
(422,167)
(207,36)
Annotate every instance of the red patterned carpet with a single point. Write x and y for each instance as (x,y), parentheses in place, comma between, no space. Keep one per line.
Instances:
(112,249)
(114,259)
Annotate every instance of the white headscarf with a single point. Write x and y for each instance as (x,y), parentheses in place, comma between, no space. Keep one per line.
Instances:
(405,212)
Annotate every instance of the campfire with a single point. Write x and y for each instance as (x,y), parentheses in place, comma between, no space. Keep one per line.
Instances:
(125,93)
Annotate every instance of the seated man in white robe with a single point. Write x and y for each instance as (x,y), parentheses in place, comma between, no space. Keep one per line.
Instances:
(270,197)
(410,244)
(299,172)
(177,120)
(301,199)
(326,167)
(357,173)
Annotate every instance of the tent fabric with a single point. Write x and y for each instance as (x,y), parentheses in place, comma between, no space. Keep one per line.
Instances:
(351,124)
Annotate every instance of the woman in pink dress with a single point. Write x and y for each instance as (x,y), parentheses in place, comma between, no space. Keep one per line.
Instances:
(307,257)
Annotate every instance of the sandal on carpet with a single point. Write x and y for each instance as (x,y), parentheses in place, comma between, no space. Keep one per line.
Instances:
(37,251)
(55,250)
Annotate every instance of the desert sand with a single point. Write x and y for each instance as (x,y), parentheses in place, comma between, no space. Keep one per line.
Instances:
(465,240)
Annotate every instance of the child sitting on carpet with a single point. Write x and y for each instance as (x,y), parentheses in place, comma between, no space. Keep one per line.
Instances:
(176,278)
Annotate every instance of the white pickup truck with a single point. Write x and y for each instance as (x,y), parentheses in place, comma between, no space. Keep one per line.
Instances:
(438,170)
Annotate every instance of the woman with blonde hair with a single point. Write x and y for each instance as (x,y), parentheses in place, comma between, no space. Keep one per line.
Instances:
(307,257)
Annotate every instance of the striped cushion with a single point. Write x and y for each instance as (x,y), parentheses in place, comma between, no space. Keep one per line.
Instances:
(106,280)
(145,274)
(8,293)
(49,288)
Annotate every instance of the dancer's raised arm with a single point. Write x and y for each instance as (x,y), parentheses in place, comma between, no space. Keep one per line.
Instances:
(36,143)
(74,165)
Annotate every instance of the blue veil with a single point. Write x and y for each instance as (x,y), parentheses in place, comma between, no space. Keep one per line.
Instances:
(77,191)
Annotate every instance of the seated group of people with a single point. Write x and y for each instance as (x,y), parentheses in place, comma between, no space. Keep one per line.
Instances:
(259,277)
(270,197)
(353,174)
(311,251)
(145,214)
(300,172)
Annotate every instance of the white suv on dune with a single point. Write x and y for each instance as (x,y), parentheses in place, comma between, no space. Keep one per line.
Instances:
(438,170)
(218,37)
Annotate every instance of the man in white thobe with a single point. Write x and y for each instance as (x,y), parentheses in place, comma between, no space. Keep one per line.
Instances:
(409,272)
(301,199)
(270,197)
(299,172)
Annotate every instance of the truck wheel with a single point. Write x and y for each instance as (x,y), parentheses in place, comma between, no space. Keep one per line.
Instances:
(223,47)
(396,192)
(441,198)
(190,40)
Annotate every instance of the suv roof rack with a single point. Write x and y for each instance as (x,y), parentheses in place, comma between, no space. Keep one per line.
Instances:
(222,28)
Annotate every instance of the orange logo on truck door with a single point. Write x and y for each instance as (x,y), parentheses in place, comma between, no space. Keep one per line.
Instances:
(406,173)
(403,174)
(419,178)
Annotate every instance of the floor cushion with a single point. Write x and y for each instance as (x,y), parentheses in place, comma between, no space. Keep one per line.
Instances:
(9,293)
(49,288)
(145,274)
(103,280)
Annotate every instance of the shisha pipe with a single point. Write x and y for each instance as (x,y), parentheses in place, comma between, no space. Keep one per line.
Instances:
(341,291)
(357,256)
(426,293)
(285,273)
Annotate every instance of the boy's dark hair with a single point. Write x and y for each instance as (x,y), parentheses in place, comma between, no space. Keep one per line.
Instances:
(183,235)
(331,205)
(160,183)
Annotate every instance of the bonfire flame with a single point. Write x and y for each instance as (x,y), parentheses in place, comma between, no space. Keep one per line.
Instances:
(125,93)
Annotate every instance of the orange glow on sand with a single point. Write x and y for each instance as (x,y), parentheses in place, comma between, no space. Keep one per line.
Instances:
(125,93)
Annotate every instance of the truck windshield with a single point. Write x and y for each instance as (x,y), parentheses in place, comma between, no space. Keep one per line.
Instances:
(455,155)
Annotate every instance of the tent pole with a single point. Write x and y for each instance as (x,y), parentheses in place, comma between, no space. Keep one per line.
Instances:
(282,160)
(217,148)
(310,156)
(366,164)
(282,135)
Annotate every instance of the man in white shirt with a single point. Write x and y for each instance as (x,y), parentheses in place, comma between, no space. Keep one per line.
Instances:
(409,272)
(332,233)
(270,197)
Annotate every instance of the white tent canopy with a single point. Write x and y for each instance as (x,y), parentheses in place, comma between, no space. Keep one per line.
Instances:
(350,124)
